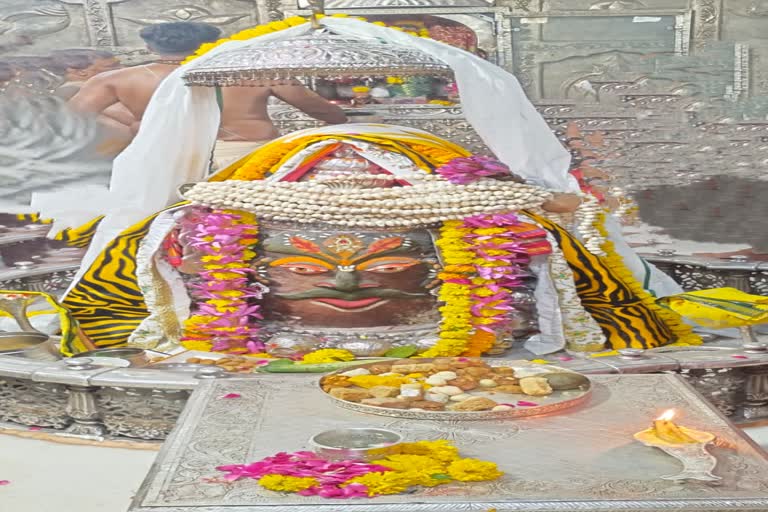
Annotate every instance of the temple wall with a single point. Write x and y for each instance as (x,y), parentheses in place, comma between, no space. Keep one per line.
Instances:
(550,44)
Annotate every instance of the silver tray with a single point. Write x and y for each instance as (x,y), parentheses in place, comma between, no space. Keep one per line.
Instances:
(556,402)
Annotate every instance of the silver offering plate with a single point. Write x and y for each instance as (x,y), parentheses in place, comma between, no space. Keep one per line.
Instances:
(570,389)
(698,463)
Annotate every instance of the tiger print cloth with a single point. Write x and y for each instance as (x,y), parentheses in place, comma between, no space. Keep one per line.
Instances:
(81,236)
(624,319)
(107,301)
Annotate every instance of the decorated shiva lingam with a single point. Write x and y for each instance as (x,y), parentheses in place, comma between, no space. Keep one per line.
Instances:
(686,445)
(361,241)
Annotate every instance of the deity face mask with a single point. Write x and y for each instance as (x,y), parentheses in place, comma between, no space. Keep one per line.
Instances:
(349,279)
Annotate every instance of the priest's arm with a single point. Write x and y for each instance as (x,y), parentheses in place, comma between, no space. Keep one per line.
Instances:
(309,102)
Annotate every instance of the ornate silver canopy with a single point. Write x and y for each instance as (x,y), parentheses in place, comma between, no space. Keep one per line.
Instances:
(319,54)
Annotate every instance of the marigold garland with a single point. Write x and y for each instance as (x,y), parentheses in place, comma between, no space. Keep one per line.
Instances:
(223,317)
(683,333)
(484,262)
(327,355)
(455,293)
(479,343)
(400,468)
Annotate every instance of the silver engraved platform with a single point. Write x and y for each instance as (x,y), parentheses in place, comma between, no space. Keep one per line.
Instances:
(583,460)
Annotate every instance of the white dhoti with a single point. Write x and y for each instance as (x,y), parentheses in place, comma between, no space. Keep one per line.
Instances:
(227,152)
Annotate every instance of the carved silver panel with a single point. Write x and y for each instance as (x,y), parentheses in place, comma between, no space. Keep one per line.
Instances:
(722,387)
(40,25)
(140,413)
(571,56)
(446,122)
(744,20)
(637,6)
(33,403)
(552,463)
(400,4)
(229,15)
(490,24)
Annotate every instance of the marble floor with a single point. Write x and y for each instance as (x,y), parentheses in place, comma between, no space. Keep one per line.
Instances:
(46,476)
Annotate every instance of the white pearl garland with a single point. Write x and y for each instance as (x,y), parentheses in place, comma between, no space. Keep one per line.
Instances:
(429,200)
(587,216)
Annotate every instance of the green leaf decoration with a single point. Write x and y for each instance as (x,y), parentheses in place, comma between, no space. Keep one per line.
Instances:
(402,352)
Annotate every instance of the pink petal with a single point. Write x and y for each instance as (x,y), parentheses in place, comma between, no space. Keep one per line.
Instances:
(35,428)
(5,482)
(740,357)
(565,358)
(231,395)
(523,403)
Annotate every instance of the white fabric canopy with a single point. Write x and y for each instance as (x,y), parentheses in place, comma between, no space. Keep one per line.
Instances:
(179,128)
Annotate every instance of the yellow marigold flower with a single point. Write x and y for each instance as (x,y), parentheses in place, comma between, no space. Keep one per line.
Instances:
(391,482)
(282,483)
(327,355)
(406,462)
(369,381)
(440,450)
(225,275)
(202,346)
(473,470)
(360,89)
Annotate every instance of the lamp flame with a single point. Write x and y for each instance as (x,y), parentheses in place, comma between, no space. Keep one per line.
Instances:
(667,416)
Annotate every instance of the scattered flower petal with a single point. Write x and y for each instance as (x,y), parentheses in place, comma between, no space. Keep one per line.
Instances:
(5,482)
(739,357)
(35,428)
(232,395)
(565,358)
(540,361)
(523,403)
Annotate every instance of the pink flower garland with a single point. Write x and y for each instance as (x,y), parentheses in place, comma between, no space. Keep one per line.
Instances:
(501,260)
(464,170)
(227,318)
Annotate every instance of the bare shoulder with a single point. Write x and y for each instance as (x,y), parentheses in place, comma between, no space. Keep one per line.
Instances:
(118,75)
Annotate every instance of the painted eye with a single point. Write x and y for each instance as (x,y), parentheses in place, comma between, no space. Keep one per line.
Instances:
(305,270)
(390,268)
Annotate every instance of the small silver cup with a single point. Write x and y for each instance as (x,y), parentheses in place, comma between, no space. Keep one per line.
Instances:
(363,444)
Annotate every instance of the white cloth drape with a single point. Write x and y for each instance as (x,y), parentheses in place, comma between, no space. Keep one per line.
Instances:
(178,132)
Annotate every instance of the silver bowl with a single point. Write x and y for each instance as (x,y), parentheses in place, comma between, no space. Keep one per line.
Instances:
(30,345)
(135,356)
(354,443)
